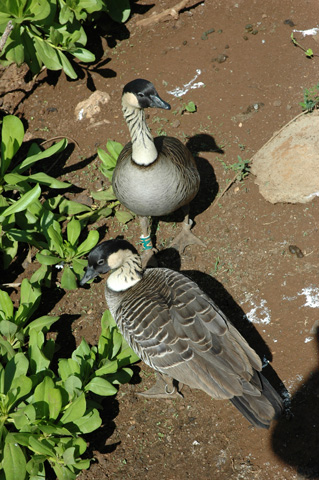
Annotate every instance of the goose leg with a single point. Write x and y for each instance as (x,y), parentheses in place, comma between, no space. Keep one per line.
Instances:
(186,237)
(147,256)
(165,387)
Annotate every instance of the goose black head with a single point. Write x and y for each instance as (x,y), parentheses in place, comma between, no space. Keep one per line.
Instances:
(107,256)
(141,93)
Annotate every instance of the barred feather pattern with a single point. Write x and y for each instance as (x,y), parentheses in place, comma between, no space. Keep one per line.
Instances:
(179,331)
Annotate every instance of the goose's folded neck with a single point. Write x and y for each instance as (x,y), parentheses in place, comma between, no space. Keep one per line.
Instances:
(144,152)
(126,275)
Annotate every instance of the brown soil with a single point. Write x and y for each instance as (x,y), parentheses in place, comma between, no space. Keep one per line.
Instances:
(254,81)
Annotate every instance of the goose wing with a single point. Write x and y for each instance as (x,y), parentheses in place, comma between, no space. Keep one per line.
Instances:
(179,331)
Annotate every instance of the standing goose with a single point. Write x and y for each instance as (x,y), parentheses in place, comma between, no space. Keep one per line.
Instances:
(153,177)
(178,330)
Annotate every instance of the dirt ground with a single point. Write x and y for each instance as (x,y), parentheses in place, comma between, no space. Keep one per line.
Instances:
(252,82)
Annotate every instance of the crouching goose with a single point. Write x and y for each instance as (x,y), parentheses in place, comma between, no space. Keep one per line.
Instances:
(175,328)
(153,177)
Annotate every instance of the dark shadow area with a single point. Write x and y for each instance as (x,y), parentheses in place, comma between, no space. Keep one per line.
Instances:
(97,439)
(112,31)
(65,341)
(295,440)
(139,9)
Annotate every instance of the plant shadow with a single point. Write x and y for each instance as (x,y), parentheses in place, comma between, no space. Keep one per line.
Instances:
(295,440)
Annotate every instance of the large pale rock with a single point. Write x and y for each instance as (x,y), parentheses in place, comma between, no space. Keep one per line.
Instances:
(91,106)
(287,167)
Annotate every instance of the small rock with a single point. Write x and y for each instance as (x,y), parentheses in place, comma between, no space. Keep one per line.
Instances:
(185,42)
(83,198)
(176,124)
(220,58)
(277,103)
(289,22)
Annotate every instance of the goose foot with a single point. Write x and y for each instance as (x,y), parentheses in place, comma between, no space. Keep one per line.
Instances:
(186,237)
(163,388)
(148,258)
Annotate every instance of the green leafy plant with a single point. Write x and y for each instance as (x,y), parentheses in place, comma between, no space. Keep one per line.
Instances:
(45,32)
(311,98)
(108,160)
(241,167)
(67,251)
(17,193)
(308,51)
(108,163)
(189,107)
(43,414)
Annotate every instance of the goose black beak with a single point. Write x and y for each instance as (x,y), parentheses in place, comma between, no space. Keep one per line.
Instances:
(89,275)
(157,102)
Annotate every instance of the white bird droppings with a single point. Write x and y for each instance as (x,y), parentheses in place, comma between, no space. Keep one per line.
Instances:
(310,31)
(312,296)
(259,313)
(179,92)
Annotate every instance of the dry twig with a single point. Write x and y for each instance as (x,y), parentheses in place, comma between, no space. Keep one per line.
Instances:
(159,17)
(5,35)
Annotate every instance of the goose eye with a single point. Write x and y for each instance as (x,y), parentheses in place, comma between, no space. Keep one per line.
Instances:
(140,94)
(100,262)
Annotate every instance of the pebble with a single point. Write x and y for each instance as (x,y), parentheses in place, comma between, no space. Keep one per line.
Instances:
(176,124)
(277,103)
(294,250)
(220,58)
(289,22)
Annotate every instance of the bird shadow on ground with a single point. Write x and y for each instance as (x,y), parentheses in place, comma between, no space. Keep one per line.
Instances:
(170,258)
(295,440)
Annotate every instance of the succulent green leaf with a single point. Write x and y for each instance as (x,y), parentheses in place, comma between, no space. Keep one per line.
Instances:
(41,447)
(41,324)
(47,259)
(70,207)
(66,65)
(6,306)
(32,157)
(75,411)
(16,367)
(47,399)
(73,231)
(23,202)
(83,54)
(68,279)
(109,367)
(89,422)
(14,462)
(7,328)
(123,217)
(104,195)
(90,242)
(47,54)
(100,386)
(68,367)
(11,141)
